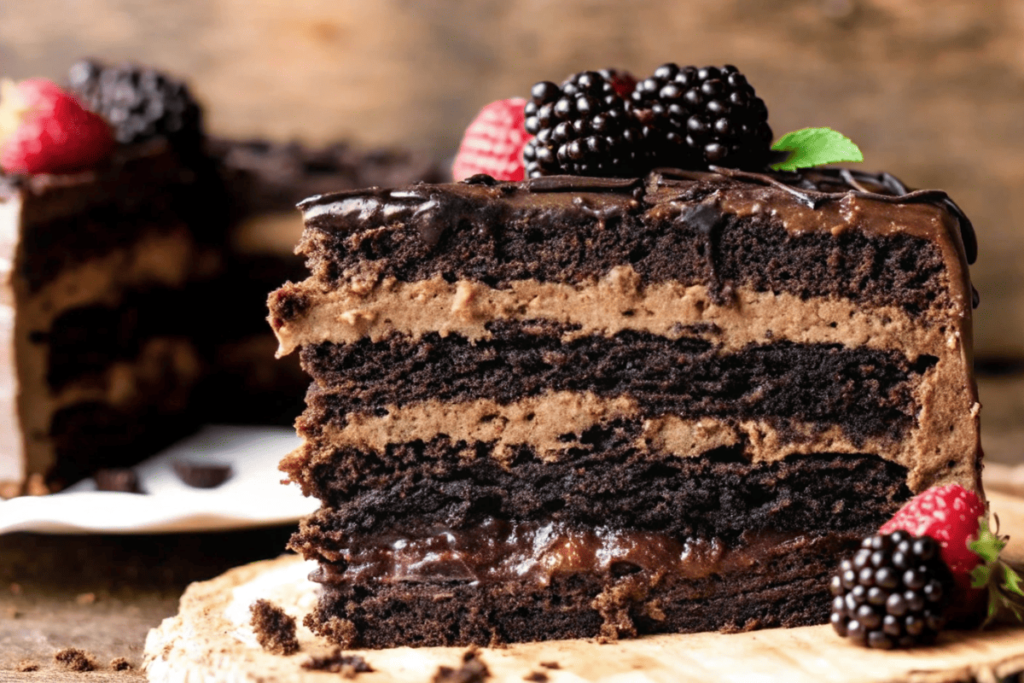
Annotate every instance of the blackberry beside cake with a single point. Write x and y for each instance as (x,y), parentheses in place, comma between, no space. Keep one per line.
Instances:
(133,284)
(573,407)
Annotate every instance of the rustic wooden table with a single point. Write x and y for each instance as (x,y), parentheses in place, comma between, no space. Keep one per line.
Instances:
(102,594)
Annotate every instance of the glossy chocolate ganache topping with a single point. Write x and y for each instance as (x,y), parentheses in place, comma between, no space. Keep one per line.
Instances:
(805,201)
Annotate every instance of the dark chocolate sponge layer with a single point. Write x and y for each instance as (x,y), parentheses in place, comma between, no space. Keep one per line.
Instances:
(91,436)
(840,497)
(867,392)
(506,233)
(607,482)
(787,588)
(88,339)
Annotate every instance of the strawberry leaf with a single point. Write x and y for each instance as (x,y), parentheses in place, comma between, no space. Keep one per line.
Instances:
(980,576)
(1011,581)
(988,545)
(993,608)
(815,147)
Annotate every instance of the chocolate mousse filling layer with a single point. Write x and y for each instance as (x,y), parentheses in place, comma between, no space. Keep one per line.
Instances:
(867,392)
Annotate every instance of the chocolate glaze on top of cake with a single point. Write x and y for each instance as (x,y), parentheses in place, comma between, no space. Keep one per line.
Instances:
(725,227)
(814,188)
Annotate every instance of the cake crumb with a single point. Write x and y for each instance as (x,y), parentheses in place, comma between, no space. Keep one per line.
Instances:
(73,659)
(473,670)
(26,665)
(15,589)
(86,599)
(551,665)
(536,677)
(274,629)
(338,663)
(120,664)
(341,631)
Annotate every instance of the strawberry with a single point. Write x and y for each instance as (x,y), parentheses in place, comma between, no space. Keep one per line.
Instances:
(950,515)
(493,143)
(43,129)
(957,519)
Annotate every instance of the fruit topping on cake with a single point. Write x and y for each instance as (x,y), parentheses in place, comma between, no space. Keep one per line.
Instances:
(139,102)
(582,128)
(44,129)
(493,143)
(698,117)
(606,123)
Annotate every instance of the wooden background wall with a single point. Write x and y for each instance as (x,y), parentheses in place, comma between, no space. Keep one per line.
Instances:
(932,90)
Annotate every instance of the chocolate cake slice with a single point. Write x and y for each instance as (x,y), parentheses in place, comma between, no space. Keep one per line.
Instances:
(575,407)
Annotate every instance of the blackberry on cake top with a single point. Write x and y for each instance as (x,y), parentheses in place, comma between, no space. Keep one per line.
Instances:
(601,123)
(139,103)
(582,128)
(696,117)
(606,123)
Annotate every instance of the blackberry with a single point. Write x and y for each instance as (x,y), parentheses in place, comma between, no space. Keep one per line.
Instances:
(581,128)
(892,593)
(622,81)
(693,118)
(138,102)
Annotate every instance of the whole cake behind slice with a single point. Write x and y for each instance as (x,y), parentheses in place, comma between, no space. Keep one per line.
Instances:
(572,407)
(101,356)
(263,182)
(133,285)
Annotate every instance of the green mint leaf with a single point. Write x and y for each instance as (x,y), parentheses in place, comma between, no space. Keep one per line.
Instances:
(815,147)
(988,545)
(980,576)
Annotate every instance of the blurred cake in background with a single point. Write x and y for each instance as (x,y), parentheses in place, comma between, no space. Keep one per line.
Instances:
(264,181)
(135,270)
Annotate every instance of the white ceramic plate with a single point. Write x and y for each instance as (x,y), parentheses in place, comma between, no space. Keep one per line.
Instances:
(253,496)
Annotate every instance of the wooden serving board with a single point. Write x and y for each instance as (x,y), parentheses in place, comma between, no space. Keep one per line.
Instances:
(210,640)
